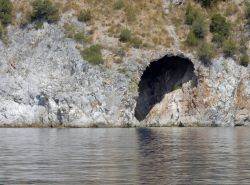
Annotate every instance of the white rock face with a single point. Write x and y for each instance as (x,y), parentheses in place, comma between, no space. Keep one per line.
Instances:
(45,82)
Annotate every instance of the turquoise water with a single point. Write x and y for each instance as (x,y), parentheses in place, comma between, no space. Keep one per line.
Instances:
(125,156)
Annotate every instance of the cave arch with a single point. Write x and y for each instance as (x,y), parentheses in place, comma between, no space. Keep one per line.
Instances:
(160,77)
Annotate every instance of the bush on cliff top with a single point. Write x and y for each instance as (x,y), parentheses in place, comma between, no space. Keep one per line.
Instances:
(5,11)
(220,28)
(44,10)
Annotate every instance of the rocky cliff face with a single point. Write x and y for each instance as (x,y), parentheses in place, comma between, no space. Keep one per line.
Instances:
(217,100)
(45,82)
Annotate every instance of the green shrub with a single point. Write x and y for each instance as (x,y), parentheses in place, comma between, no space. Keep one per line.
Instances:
(119,4)
(80,37)
(191,14)
(84,16)
(191,39)
(220,27)
(247,11)
(208,3)
(93,54)
(242,44)
(71,31)
(1,30)
(3,35)
(195,18)
(5,11)
(199,27)
(136,42)
(229,48)
(244,59)
(205,52)
(125,35)
(44,10)
(218,39)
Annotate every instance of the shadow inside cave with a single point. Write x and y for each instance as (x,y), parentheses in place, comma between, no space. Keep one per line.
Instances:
(160,77)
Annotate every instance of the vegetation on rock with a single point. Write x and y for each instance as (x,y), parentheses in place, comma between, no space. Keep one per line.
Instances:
(136,42)
(244,60)
(1,30)
(191,14)
(44,11)
(205,52)
(199,27)
(195,18)
(80,37)
(125,35)
(220,24)
(72,32)
(93,54)
(229,48)
(5,12)
(247,11)
(84,15)
(118,5)
(208,3)
(220,27)
(191,39)
(131,13)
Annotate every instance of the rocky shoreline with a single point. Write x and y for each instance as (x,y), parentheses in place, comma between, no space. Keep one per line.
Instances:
(37,126)
(96,125)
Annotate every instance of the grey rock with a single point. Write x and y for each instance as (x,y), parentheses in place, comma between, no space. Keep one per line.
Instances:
(45,82)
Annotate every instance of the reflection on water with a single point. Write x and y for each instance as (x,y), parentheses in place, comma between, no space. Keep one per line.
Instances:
(125,156)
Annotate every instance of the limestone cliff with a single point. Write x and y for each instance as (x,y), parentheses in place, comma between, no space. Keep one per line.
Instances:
(45,82)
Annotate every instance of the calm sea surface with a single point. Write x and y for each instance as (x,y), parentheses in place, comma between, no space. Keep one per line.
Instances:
(125,156)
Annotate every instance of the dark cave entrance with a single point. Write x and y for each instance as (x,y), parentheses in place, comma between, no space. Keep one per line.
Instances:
(160,77)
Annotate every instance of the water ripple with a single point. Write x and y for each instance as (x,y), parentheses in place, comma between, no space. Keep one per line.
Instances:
(125,156)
